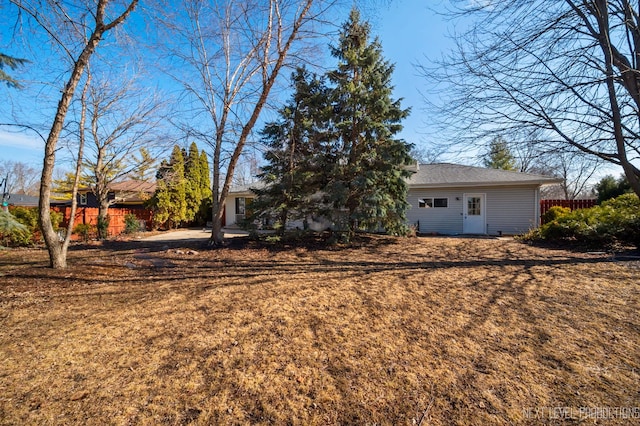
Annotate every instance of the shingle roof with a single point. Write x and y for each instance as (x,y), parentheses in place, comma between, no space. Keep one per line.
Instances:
(440,175)
(22,200)
(445,174)
(238,189)
(133,186)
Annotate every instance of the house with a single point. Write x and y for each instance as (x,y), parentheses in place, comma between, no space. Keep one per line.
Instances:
(237,206)
(457,199)
(124,194)
(21,200)
(125,197)
(453,199)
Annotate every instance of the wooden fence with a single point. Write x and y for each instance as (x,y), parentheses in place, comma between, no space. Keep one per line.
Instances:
(89,216)
(545,205)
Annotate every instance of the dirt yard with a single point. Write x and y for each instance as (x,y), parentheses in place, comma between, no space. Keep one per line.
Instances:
(431,331)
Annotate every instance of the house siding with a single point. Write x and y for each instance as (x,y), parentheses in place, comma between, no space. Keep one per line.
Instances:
(439,220)
(230,208)
(509,210)
(230,211)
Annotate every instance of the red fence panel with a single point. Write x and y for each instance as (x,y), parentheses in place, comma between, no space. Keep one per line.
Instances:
(545,205)
(89,216)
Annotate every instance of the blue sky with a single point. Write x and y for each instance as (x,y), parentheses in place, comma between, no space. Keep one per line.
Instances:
(412,33)
(408,31)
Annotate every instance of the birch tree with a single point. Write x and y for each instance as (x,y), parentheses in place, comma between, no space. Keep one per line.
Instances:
(76,28)
(231,54)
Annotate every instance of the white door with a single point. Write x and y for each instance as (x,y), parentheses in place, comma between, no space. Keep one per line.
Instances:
(473,214)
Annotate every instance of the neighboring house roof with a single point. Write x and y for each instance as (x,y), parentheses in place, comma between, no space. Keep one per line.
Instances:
(132,191)
(126,186)
(22,200)
(133,186)
(447,175)
(124,192)
(246,189)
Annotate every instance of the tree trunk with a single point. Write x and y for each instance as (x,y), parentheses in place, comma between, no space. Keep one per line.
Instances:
(269,77)
(57,253)
(57,250)
(217,237)
(103,218)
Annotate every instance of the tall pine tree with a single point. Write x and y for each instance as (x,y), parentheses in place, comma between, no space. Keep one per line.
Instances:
(294,172)
(499,155)
(333,152)
(368,175)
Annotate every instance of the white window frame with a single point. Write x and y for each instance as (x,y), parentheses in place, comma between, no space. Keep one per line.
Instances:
(83,199)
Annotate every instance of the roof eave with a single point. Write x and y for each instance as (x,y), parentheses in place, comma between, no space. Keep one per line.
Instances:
(484,184)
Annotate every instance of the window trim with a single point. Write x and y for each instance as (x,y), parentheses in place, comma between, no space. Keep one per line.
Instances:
(83,198)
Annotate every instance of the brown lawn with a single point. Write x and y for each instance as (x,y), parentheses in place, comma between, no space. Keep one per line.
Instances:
(435,331)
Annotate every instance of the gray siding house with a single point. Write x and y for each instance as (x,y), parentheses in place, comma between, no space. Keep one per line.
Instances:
(456,199)
(450,199)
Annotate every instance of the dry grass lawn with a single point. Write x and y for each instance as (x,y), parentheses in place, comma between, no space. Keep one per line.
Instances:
(436,331)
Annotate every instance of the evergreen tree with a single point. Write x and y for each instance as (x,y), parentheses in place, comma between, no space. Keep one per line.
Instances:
(293,173)
(13,63)
(367,178)
(204,213)
(169,201)
(144,164)
(193,178)
(333,151)
(610,187)
(160,202)
(499,155)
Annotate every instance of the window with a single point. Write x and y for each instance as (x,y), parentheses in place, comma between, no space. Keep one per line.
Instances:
(427,203)
(240,206)
(83,199)
(473,206)
(441,202)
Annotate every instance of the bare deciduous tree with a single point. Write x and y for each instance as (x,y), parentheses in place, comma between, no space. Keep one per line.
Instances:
(122,118)
(231,54)
(75,27)
(21,177)
(569,69)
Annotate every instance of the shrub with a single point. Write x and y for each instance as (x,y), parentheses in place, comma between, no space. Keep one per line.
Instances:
(131,224)
(12,231)
(28,216)
(83,230)
(103,227)
(554,212)
(616,221)
(56,219)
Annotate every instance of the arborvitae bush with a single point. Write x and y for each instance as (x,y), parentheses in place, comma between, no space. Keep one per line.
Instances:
(103,227)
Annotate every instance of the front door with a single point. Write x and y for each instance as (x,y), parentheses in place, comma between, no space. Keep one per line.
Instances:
(474,209)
